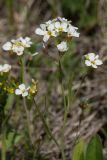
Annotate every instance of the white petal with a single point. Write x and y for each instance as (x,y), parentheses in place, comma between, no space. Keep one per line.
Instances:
(46,37)
(91,56)
(76,34)
(43,26)
(98,62)
(97,56)
(64,20)
(25,94)
(39,31)
(19,53)
(94,66)
(18,92)
(72,31)
(51,27)
(7,46)
(26,42)
(88,63)
(27,39)
(6,67)
(49,22)
(13,40)
(62,47)
(64,25)
(57,24)
(22,86)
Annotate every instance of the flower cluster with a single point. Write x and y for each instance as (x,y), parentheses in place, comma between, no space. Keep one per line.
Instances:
(17,46)
(55,28)
(5,68)
(92,60)
(59,27)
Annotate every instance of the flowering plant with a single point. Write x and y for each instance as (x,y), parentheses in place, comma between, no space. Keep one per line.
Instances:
(60,31)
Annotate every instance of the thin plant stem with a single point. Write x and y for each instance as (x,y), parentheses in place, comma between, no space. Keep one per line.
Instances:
(28,120)
(24,100)
(4,145)
(23,70)
(45,125)
(10,12)
(65,112)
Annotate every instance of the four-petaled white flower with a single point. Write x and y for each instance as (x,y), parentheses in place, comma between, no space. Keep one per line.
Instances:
(72,31)
(26,42)
(22,90)
(93,60)
(17,46)
(62,47)
(61,26)
(18,49)
(46,31)
(5,68)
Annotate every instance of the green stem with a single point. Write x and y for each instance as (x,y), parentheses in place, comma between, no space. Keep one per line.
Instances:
(24,100)
(3,145)
(10,12)
(65,108)
(28,120)
(23,70)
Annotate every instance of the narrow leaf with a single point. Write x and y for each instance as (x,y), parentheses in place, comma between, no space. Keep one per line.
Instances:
(78,151)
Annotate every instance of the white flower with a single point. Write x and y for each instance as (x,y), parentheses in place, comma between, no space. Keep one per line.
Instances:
(7,46)
(62,47)
(61,26)
(18,45)
(40,31)
(22,90)
(46,31)
(72,31)
(18,49)
(5,68)
(26,42)
(93,60)
(49,33)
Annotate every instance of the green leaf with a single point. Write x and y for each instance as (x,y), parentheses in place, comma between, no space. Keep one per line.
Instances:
(94,149)
(12,139)
(78,151)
